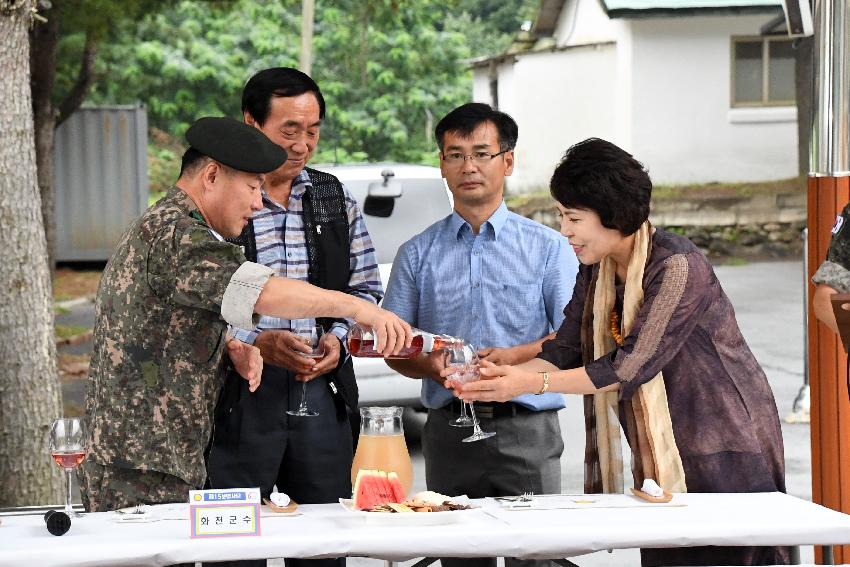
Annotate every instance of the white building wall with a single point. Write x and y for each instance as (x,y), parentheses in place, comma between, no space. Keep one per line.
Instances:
(480,85)
(683,127)
(557,98)
(582,22)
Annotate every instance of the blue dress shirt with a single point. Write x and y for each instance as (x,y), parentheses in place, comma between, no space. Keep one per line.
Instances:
(503,287)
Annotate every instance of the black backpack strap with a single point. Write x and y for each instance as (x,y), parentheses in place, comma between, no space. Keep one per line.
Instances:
(326,232)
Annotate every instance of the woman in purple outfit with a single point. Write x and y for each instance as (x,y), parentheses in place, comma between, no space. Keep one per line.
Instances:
(651,340)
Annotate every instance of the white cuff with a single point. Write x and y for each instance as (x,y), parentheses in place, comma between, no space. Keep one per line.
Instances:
(237,305)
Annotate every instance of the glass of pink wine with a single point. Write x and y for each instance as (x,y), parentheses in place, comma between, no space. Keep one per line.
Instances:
(465,364)
(68,449)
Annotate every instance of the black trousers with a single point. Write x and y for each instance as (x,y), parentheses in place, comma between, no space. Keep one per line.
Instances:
(256,443)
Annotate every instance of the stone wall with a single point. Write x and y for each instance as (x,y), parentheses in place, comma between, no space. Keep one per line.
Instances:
(726,228)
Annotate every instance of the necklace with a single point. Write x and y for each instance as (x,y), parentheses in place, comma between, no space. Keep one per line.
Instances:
(615,327)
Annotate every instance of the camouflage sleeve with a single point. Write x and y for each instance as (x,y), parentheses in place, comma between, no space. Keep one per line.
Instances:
(204,267)
(835,271)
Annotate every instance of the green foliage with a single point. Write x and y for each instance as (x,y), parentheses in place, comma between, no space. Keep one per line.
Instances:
(389,69)
(388,74)
(490,26)
(104,20)
(192,60)
(163,166)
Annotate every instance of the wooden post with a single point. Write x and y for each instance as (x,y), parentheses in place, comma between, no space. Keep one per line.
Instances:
(830,409)
(828,192)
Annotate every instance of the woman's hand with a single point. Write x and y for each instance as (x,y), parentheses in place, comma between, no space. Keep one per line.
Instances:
(498,384)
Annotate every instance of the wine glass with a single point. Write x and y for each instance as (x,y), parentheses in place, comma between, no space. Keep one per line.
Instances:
(68,449)
(465,363)
(312,334)
(463,420)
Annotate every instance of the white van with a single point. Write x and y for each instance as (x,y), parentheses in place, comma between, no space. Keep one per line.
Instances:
(398,201)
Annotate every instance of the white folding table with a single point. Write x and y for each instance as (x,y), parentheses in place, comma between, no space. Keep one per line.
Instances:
(328,530)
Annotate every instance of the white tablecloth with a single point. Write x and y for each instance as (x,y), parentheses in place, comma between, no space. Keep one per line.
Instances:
(328,530)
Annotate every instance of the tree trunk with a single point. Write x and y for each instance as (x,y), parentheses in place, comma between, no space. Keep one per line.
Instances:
(44,37)
(29,385)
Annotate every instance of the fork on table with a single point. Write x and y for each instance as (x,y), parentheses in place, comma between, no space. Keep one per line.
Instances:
(520,501)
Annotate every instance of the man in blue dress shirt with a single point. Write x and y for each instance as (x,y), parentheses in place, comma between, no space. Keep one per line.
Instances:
(499,281)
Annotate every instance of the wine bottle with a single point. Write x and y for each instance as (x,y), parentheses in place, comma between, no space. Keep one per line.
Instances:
(361,343)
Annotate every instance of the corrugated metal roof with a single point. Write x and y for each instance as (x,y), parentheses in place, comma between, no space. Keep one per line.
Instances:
(686,4)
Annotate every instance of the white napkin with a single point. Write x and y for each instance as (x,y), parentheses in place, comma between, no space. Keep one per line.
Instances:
(279,499)
(652,488)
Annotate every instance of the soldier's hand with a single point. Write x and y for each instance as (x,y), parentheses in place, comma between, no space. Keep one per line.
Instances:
(391,333)
(247,361)
(282,348)
(328,362)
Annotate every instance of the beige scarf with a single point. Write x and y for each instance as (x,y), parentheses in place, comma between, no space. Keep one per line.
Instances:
(649,428)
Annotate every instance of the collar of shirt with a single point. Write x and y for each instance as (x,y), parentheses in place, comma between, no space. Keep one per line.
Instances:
(184,200)
(299,185)
(497,221)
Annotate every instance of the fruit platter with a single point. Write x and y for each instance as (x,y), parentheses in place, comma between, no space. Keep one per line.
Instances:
(379,497)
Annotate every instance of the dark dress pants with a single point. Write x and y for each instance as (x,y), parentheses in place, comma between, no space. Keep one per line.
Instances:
(524,455)
(257,444)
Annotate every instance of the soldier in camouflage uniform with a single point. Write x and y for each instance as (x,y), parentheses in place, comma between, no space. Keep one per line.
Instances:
(162,309)
(833,276)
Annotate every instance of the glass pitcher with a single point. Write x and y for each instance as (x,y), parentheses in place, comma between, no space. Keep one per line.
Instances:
(381,445)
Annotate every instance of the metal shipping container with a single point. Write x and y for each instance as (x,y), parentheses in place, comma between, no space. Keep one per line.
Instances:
(101,179)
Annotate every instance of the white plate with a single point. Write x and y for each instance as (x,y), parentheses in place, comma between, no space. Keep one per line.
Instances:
(409,519)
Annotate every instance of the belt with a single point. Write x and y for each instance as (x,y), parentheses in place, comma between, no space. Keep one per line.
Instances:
(491,410)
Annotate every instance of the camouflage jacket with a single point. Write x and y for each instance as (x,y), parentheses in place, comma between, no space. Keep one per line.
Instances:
(159,340)
(835,271)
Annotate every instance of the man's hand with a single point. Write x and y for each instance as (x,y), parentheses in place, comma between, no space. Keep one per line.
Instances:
(435,363)
(328,362)
(500,356)
(282,348)
(247,361)
(391,333)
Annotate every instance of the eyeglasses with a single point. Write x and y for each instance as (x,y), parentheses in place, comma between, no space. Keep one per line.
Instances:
(478,158)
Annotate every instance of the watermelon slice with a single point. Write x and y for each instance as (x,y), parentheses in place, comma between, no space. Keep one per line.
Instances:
(373,488)
(395,483)
(386,489)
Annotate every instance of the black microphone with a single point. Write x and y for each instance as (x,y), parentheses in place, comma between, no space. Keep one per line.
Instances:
(57,522)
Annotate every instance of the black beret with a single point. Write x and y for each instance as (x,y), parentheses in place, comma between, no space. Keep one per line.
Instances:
(235,144)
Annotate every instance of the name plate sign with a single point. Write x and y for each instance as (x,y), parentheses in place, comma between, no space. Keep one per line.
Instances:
(220,513)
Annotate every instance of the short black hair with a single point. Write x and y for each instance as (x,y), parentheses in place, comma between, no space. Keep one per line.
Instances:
(597,175)
(192,160)
(466,118)
(277,81)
